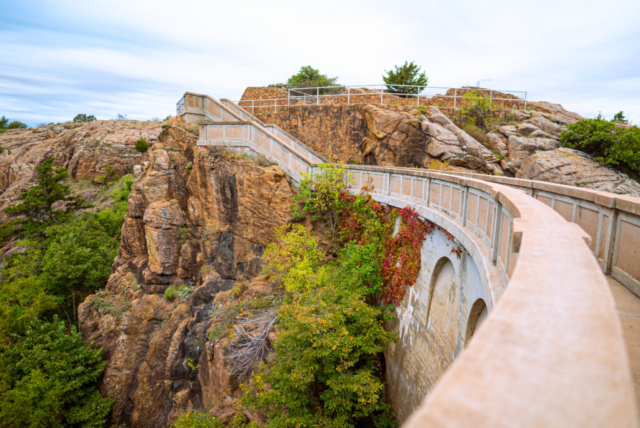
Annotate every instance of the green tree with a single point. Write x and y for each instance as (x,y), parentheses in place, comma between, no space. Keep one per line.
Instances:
(309,77)
(77,261)
(37,204)
(23,295)
(194,419)
(327,371)
(5,125)
(82,118)
(406,74)
(48,379)
(619,117)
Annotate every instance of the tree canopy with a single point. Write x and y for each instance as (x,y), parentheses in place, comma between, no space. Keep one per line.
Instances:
(406,74)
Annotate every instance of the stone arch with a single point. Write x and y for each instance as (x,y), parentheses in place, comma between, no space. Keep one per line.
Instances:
(443,320)
(477,315)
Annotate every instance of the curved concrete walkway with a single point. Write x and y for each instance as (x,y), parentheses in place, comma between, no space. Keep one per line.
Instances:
(628,306)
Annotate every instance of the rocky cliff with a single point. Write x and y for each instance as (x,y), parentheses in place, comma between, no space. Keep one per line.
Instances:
(197,221)
(85,149)
(523,144)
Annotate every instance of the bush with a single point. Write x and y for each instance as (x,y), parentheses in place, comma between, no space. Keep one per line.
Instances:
(476,109)
(193,419)
(141,145)
(5,125)
(608,143)
(406,74)
(171,293)
(48,379)
(83,118)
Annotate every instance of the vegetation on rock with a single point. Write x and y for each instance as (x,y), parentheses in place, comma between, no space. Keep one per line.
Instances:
(608,143)
(60,256)
(5,125)
(84,118)
(142,145)
(407,74)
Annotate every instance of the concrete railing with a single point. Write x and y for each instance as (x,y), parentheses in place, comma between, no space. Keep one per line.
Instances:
(551,352)
(611,221)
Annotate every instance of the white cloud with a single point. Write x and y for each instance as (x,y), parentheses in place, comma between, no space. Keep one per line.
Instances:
(137,57)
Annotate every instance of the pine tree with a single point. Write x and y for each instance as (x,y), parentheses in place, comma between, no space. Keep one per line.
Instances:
(37,206)
(407,74)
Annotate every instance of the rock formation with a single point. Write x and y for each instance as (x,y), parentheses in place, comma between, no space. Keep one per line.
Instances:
(412,139)
(85,149)
(572,167)
(200,221)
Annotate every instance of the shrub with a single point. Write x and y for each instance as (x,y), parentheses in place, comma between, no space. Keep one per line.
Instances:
(476,109)
(5,125)
(406,74)
(171,293)
(83,118)
(194,419)
(48,379)
(608,143)
(141,145)
(479,134)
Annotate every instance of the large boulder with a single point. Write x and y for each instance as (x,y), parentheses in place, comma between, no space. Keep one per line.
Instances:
(412,139)
(520,148)
(571,167)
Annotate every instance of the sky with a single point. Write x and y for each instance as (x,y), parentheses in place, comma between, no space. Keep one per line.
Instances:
(137,57)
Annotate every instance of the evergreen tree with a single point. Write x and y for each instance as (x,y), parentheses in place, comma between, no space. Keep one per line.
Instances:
(37,206)
(407,74)
(48,379)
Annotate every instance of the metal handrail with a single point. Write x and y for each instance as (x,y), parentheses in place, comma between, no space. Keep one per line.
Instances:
(296,99)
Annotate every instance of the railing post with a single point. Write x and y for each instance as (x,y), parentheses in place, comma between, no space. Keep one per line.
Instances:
(348,96)
(317,96)
(525,100)
(253,107)
(455,97)
(381,96)
(491,98)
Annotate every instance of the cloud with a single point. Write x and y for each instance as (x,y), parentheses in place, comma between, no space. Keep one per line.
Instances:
(60,58)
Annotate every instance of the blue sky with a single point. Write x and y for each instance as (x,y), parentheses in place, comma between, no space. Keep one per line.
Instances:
(137,57)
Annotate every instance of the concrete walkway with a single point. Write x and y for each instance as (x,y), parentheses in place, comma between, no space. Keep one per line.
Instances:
(628,305)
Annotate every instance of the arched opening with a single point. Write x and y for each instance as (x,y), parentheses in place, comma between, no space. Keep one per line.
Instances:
(476,316)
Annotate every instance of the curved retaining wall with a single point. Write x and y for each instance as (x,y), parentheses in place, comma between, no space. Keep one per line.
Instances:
(551,351)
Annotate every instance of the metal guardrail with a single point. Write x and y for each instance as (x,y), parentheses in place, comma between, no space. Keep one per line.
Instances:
(301,96)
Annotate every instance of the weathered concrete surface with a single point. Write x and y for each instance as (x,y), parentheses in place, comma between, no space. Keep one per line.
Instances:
(628,306)
(432,322)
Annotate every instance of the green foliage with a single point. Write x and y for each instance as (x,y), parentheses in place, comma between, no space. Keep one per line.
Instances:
(194,419)
(309,77)
(406,74)
(37,202)
(5,125)
(185,291)
(292,257)
(189,166)
(320,195)
(608,143)
(619,117)
(108,176)
(327,371)
(23,295)
(83,118)
(112,217)
(77,261)
(142,145)
(48,379)
(476,109)
(171,293)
